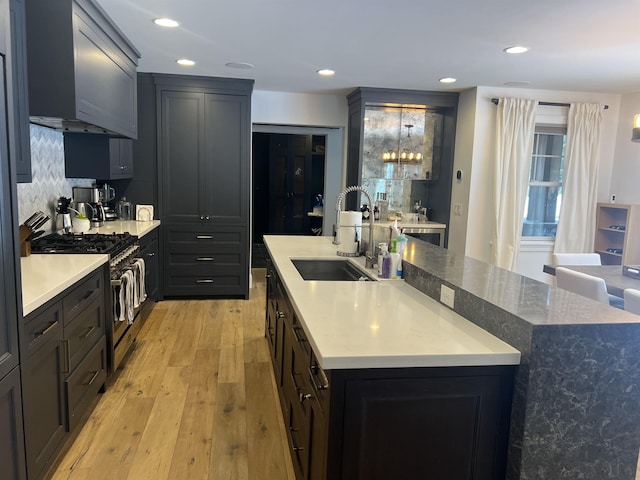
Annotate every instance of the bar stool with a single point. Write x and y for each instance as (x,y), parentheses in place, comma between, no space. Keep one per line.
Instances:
(632,300)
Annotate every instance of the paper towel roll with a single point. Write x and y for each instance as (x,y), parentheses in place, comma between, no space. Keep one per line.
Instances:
(349,233)
(350,218)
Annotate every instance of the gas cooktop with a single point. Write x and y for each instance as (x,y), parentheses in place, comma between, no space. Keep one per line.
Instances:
(110,244)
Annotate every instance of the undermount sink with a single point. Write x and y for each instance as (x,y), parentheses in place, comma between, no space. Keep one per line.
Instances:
(338,270)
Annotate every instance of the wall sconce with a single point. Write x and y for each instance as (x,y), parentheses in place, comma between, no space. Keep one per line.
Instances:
(635,133)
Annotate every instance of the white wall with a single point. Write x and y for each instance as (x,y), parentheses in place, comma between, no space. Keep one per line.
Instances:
(480,143)
(461,190)
(626,168)
(282,108)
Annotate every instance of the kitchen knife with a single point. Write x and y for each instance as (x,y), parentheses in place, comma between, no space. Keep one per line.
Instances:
(28,221)
(35,235)
(40,222)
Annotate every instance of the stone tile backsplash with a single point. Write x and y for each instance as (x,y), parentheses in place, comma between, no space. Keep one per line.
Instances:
(49,182)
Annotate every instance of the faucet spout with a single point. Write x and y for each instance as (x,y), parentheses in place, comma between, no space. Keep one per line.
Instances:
(370,261)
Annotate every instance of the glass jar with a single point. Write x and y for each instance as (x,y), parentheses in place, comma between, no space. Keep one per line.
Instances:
(123,209)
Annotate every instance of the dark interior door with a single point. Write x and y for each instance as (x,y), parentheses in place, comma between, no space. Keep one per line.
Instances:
(289,162)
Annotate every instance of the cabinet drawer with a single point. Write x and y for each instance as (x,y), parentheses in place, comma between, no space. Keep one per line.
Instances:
(85,382)
(81,296)
(204,236)
(82,333)
(219,284)
(39,328)
(206,258)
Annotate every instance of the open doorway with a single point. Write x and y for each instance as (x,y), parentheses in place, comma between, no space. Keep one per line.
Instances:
(288,186)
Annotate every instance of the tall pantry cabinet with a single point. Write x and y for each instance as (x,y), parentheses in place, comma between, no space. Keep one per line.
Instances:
(204,129)
(12,454)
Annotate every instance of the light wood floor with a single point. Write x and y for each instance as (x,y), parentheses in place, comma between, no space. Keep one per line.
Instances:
(195,400)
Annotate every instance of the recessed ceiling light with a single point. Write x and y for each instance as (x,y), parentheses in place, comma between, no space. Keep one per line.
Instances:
(185,62)
(516,49)
(166,22)
(240,65)
(448,80)
(325,72)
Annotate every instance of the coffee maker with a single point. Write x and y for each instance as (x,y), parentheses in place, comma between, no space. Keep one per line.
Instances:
(89,202)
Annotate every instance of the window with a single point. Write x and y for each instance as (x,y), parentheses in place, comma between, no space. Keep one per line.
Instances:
(544,195)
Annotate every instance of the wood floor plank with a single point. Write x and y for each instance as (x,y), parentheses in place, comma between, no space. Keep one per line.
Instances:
(152,461)
(229,454)
(268,449)
(212,329)
(232,346)
(120,434)
(193,446)
(190,329)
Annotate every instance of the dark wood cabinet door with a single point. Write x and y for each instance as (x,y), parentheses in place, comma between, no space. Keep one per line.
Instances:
(44,405)
(8,303)
(454,419)
(11,433)
(19,127)
(182,156)
(226,157)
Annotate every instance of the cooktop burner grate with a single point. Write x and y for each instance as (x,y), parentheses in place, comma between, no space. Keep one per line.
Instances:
(110,244)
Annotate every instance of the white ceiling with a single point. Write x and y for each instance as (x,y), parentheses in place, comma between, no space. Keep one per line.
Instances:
(575,45)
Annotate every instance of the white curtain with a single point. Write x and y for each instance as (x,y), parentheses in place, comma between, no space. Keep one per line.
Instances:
(515,127)
(576,226)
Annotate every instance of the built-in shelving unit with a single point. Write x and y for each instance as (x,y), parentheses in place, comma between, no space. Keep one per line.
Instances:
(617,234)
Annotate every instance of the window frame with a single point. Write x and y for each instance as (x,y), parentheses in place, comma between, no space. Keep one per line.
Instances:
(559,128)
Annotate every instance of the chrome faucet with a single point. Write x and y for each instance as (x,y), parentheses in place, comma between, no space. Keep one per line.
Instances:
(370,261)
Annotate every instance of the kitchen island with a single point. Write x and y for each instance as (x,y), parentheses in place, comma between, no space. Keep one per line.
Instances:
(576,403)
(377,380)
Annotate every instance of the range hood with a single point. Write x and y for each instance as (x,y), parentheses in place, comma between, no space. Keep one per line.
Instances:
(81,69)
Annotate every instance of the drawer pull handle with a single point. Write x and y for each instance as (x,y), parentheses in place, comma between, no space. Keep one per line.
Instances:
(298,338)
(66,366)
(280,314)
(93,379)
(304,396)
(204,237)
(151,254)
(205,280)
(205,259)
(315,370)
(48,329)
(89,332)
(88,294)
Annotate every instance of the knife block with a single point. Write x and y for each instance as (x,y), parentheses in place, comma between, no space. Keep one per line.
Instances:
(25,243)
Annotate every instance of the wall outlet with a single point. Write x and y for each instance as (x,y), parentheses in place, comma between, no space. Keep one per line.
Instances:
(457,209)
(447,296)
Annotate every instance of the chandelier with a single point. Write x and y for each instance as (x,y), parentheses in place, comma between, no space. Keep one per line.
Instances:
(407,153)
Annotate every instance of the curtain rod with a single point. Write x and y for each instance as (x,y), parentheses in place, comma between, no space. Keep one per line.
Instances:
(548,104)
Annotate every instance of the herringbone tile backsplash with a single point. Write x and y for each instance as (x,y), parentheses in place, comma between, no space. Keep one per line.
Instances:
(49,182)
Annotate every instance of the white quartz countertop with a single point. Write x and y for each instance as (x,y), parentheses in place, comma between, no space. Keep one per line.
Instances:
(378,324)
(46,275)
(139,229)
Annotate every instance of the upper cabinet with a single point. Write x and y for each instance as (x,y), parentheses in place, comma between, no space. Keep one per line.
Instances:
(19,127)
(81,69)
(97,156)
